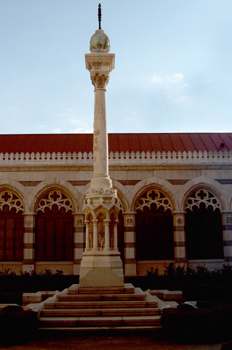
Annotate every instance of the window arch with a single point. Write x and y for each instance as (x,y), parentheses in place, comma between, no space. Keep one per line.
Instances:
(154,226)
(54,227)
(203,225)
(11,226)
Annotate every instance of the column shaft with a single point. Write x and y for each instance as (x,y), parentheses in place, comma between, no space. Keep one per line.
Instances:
(107,234)
(100,141)
(115,246)
(87,235)
(95,235)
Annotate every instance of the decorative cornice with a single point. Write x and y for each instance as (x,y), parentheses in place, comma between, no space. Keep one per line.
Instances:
(133,158)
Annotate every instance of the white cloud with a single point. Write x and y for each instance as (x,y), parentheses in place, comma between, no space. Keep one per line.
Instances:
(178,76)
(172,88)
(170,81)
(72,121)
(156,80)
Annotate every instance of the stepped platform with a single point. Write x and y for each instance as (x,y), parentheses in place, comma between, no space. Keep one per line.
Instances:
(94,309)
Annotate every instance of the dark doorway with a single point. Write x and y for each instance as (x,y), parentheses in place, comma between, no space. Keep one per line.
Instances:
(204,233)
(11,235)
(154,234)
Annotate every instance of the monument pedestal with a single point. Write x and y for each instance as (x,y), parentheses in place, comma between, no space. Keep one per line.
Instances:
(103,269)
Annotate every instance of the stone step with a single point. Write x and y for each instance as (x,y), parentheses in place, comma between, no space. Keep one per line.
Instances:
(97,329)
(96,304)
(99,321)
(100,312)
(137,295)
(76,289)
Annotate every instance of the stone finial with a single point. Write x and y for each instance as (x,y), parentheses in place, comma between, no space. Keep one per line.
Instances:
(99,41)
(99,15)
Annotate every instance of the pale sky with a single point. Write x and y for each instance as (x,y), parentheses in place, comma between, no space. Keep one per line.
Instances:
(173,65)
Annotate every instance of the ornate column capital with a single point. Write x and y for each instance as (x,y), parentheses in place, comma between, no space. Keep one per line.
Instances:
(100,80)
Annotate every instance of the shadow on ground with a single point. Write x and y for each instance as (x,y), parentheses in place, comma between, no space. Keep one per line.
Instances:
(125,341)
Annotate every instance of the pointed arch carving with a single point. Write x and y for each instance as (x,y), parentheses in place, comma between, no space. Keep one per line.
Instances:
(54,197)
(61,185)
(169,190)
(11,200)
(202,196)
(153,196)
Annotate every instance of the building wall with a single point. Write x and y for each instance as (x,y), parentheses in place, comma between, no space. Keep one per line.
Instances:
(30,182)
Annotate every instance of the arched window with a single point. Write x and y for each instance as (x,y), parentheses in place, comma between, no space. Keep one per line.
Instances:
(154,227)
(54,228)
(11,226)
(203,225)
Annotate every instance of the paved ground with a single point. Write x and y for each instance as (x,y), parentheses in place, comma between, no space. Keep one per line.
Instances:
(100,342)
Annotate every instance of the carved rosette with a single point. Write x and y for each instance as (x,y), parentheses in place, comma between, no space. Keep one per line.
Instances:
(100,80)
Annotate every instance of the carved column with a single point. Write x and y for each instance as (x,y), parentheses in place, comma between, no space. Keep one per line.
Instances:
(29,242)
(78,241)
(179,236)
(115,244)
(107,234)
(95,235)
(129,244)
(227,235)
(87,245)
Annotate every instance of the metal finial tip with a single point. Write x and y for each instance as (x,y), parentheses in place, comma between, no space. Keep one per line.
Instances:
(99,15)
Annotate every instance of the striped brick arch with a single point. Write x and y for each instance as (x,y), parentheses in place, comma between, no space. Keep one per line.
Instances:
(54,227)
(11,226)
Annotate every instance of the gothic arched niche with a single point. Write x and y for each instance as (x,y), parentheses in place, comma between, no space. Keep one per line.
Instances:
(154,227)
(203,225)
(11,226)
(54,227)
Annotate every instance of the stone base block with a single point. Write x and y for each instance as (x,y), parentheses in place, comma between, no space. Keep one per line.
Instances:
(100,277)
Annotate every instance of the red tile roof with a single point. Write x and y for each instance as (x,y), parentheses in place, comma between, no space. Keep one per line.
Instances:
(117,142)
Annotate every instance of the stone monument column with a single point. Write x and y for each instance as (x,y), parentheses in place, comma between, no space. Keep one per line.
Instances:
(101,265)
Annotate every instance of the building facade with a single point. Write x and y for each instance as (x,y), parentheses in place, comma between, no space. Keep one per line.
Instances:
(174,190)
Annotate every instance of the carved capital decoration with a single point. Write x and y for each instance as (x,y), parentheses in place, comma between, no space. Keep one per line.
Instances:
(229,219)
(29,222)
(100,80)
(130,221)
(180,221)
